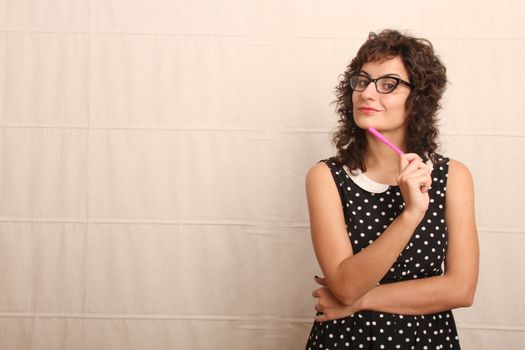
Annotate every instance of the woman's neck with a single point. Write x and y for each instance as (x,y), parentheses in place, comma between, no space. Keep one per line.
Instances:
(382,163)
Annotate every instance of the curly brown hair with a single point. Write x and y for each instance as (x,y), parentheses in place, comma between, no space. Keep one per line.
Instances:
(427,75)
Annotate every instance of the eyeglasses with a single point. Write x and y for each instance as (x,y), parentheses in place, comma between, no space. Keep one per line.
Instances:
(384,85)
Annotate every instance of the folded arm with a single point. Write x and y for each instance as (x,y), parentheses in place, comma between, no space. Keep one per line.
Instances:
(349,276)
(455,288)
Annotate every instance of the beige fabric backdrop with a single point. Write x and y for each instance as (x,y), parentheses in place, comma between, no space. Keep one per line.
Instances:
(153,154)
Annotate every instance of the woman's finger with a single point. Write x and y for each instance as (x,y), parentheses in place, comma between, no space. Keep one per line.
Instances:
(318,308)
(407,159)
(320,318)
(418,173)
(420,180)
(415,165)
(320,280)
(418,177)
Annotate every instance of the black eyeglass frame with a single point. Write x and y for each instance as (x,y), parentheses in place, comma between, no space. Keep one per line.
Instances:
(370,80)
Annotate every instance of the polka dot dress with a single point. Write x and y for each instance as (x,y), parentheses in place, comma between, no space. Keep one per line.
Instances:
(369,208)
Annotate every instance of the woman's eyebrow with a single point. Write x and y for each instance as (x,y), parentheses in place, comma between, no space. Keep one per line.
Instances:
(384,75)
(392,75)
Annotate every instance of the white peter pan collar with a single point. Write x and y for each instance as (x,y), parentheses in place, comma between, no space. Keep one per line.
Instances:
(366,183)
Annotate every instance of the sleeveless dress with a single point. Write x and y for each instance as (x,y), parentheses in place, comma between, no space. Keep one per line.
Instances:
(369,207)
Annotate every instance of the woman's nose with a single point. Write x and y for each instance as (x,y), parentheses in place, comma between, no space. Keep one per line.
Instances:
(370,91)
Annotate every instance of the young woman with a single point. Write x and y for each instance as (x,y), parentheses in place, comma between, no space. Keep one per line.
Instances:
(394,235)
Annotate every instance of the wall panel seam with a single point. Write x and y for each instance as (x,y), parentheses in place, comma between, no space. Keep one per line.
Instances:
(221,318)
(240,35)
(145,33)
(92,221)
(230,129)
(244,223)
(138,128)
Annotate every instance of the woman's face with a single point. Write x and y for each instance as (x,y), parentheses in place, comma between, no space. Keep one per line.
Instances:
(384,112)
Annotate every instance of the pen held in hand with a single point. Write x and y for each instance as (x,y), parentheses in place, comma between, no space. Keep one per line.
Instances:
(385,141)
(377,134)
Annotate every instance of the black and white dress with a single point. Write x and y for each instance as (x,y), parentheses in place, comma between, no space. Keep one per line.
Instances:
(369,207)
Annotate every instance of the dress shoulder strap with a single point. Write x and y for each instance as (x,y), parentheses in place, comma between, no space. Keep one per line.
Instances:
(338,174)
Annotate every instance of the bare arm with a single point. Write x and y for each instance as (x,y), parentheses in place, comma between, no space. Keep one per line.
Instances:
(454,289)
(349,276)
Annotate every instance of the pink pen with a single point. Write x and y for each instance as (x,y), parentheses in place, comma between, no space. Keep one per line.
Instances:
(385,141)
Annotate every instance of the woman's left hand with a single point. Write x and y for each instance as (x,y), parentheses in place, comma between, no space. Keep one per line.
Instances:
(328,305)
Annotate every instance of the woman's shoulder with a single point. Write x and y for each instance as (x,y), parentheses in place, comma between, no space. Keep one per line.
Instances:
(448,169)
(452,165)
(457,171)
(318,171)
(322,170)
(455,176)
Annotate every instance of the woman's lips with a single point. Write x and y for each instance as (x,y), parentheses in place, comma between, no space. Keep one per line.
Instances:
(367,110)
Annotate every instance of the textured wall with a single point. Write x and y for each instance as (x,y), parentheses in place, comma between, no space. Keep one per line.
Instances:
(153,154)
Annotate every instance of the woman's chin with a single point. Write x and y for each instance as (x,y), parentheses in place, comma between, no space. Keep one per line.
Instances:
(365,123)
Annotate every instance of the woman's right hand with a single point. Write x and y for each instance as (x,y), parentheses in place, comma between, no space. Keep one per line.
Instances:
(328,307)
(414,180)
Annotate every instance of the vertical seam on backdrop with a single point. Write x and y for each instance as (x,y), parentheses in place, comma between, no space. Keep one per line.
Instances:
(4,93)
(88,173)
(2,116)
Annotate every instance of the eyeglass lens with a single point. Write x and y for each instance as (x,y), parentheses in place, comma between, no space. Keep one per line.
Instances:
(384,84)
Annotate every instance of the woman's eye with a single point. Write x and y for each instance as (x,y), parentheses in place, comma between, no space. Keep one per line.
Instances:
(362,82)
(388,84)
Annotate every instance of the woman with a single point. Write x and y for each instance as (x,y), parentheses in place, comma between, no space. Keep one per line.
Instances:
(382,224)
